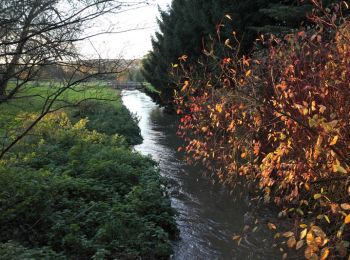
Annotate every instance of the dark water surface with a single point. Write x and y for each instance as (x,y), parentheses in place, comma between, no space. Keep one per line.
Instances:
(207,217)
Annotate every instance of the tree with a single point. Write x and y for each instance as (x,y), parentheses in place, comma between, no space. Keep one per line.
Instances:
(188,25)
(37,36)
(182,32)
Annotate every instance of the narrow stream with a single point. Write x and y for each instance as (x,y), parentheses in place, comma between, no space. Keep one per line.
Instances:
(207,217)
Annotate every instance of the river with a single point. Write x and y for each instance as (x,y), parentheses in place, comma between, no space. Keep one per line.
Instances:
(208,216)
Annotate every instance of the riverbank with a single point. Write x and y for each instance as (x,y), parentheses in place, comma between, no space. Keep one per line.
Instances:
(74,187)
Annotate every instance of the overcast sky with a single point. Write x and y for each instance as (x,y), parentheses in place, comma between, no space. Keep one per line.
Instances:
(132,44)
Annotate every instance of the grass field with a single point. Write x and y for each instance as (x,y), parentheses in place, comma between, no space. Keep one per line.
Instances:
(91,97)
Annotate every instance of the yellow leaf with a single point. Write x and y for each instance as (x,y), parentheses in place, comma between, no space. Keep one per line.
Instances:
(236,237)
(248,73)
(339,168)
(347,219)
(313,105)
(227,43)
(243,155)
(305,111)
(218,108)
(303,233)
(317,196)
(334,140)
(327,219)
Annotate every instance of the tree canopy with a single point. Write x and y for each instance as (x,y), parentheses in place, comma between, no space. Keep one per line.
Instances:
(188,25)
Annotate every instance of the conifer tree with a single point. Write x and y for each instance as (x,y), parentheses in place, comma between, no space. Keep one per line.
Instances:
(189,24)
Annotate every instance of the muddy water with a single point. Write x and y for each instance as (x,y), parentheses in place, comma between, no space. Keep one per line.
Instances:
(208,216)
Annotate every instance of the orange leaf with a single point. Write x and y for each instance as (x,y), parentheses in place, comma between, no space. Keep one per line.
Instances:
(183,58)
(325,253)
(345,206)
(271,226)
(309,238)
(185,85)
(322,109)
(347,219)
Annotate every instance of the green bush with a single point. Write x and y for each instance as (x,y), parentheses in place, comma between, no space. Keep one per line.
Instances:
(108,119)
(66,191)
(15,251)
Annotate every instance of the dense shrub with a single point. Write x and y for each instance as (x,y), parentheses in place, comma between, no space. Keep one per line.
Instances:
(73,193)
(15,251)
(109,118)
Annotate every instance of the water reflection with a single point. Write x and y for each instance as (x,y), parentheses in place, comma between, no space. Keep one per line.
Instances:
(208,217)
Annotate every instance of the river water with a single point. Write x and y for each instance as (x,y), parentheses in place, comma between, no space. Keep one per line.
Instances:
(208,216)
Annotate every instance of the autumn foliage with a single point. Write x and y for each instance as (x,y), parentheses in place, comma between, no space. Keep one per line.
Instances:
(279,123)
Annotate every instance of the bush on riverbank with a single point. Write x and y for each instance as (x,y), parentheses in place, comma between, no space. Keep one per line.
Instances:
(68,191)
(278,123)
(109,119)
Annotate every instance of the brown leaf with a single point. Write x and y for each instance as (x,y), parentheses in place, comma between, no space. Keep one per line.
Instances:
(299,244)
(291,242)
(288,234)
(318,231)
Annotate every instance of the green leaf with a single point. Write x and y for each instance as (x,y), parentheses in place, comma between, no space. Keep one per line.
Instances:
(317,196)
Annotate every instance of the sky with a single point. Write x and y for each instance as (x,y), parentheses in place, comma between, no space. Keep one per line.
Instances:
(130,45)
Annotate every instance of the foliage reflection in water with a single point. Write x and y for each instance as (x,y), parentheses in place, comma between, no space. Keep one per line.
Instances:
(207,217)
